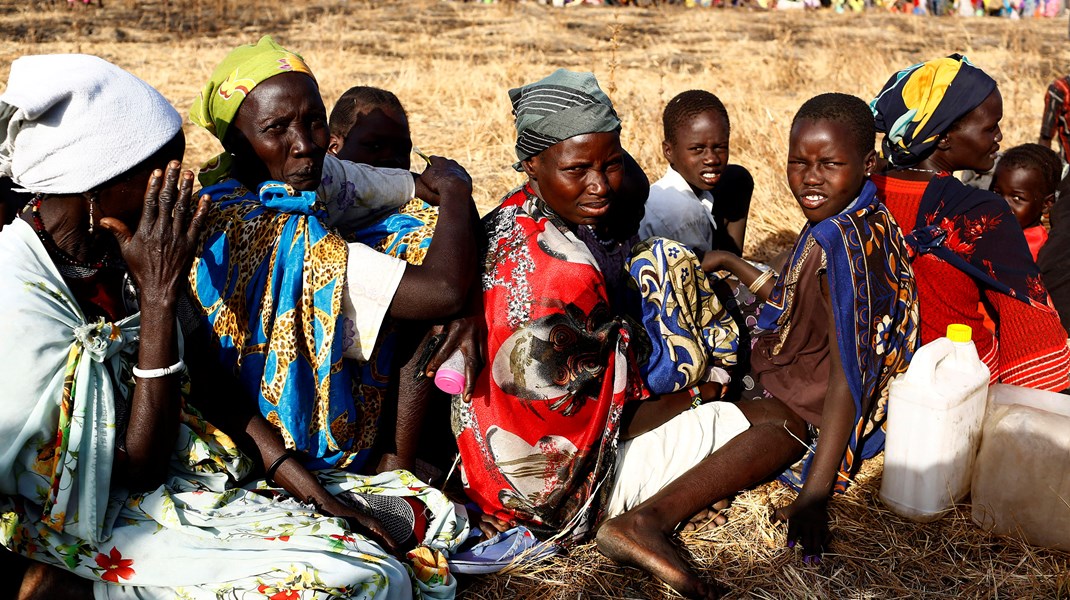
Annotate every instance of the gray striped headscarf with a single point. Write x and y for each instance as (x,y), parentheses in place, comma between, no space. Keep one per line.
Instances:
(563,105)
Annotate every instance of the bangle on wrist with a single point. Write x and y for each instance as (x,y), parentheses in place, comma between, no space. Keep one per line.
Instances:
(275,465)
(696,396)
(760,281)
(163,372)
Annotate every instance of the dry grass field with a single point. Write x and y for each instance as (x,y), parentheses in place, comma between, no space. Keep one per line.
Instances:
(451,64)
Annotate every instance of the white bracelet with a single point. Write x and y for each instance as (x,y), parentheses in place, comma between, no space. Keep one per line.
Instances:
(164,372)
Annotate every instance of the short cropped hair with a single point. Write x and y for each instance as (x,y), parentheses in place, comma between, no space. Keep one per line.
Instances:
(1035,156)
(358,100)
(688,105)
(842,108)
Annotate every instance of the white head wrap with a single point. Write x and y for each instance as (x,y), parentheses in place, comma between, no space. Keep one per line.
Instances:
(70,122)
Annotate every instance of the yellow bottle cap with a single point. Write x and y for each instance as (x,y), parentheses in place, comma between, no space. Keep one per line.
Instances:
(957,332)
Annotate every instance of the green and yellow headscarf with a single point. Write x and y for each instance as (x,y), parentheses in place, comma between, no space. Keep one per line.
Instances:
(920,103)
(218,103)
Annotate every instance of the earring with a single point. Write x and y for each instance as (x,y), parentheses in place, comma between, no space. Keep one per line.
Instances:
(92,203)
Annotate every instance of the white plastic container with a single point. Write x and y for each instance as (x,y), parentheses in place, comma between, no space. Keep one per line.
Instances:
(935,412)
(1021,482)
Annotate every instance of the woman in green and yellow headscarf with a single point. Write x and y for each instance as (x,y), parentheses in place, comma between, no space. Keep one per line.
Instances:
(261,270)
(286,297)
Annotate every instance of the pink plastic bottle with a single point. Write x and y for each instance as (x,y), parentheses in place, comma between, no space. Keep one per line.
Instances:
(450,376)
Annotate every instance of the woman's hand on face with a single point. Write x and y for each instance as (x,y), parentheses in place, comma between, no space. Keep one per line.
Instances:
(469,335)
(443,178)
(160,252)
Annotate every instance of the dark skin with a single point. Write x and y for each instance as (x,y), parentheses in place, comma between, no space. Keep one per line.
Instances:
(1025,191)
(823,166)
(699,151)
(157,244)
(158,248)
(434,290)
(280,132)
(580,179)
(379,137)
(970,143)
(825,173)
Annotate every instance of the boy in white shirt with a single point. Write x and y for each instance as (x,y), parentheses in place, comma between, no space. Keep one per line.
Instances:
(702,201)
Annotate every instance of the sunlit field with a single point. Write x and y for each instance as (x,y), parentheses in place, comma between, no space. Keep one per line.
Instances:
(451,64)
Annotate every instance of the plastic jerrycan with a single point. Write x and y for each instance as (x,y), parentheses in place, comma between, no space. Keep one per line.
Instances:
(1021,483)
(935,413)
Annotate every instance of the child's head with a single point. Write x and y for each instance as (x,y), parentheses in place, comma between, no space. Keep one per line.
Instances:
(696,138)
(369,125)
(830,153)
(1027,176)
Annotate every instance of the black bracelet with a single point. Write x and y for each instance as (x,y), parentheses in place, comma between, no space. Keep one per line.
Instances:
(275,465)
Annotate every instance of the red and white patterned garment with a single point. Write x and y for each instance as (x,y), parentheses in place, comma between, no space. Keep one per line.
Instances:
(538,440)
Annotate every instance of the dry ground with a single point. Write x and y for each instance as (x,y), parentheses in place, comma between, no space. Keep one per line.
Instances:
(451,64)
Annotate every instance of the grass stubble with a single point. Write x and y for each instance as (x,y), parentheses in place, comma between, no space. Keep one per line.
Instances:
(451,63)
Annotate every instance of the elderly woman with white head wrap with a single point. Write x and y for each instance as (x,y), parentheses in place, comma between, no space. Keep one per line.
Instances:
(106,472)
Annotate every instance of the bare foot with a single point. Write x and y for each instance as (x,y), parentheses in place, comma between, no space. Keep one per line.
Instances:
(708,518)
(631,540)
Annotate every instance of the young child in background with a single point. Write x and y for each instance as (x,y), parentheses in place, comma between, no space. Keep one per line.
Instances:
(1027,177)
(369,125)
(840,322)
(702,201)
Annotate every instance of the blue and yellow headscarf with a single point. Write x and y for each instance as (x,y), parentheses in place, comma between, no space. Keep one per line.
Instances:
(218,103)
(920,103)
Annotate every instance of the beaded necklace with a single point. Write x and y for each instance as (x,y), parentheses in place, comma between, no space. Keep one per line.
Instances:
(68,265)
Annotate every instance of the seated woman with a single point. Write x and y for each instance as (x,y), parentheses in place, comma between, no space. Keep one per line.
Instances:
(966,245)
(110,474)
(286,297)
(571,372)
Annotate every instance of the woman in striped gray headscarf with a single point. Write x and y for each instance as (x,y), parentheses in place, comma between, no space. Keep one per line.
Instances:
(583,323)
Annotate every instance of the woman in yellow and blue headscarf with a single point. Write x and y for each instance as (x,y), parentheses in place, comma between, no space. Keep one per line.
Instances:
(966,246)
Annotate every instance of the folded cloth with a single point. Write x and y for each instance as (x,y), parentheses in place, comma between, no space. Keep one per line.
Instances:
(517,545)
(70,122)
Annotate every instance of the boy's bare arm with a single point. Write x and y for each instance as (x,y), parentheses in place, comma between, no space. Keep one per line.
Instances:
(737,230)
(807,516)
(723,260)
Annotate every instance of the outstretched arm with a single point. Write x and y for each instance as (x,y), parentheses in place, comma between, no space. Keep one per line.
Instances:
(807,516)
(438,287)
(225,404)
(1053,103)
(723,260)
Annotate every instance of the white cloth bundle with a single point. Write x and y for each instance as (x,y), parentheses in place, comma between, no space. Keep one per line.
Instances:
(70,122)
